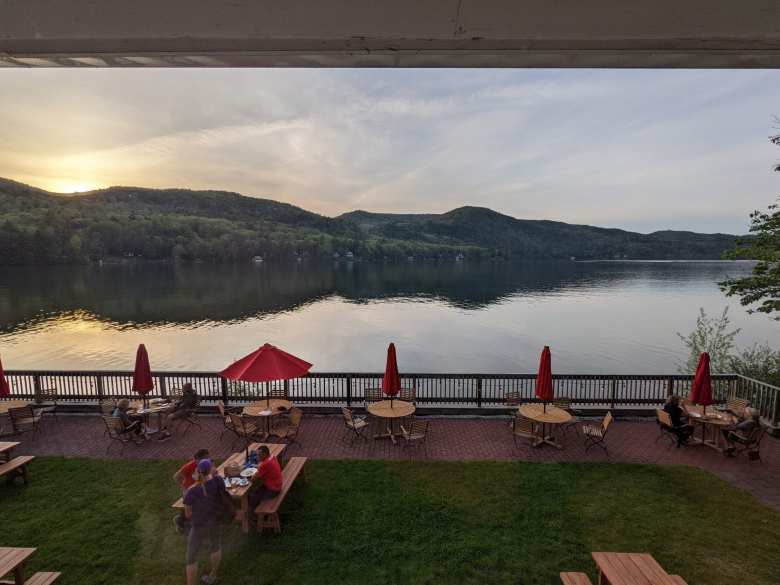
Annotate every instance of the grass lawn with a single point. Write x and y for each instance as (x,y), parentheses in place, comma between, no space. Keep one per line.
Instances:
(373,522)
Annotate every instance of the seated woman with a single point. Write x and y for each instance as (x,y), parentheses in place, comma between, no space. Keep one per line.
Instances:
(742,431)
(129,424)
(680,426)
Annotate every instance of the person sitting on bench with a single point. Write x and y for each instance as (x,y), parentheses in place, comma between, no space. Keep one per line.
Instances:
(742,431)
(129,424)
(680,427)
(269,473)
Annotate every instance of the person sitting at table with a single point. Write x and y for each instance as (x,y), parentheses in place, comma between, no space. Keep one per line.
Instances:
(186,477)
(680,427)
(129,424)
(201,508)
(269,473)
(741,432)
(181,409)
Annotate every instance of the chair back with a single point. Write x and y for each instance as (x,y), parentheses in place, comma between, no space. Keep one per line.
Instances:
(663,417)
(373,394)
(408,394)
(523,425)
(607,421)
(418,429)
(737,405)
(114,426)
(512,398)
(20,413)
(296,414)
(283,393)
(563,402)
(107,407)
(47,395)
(347,413)
(221,408)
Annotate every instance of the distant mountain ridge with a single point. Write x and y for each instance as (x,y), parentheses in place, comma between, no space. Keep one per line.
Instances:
(39,227)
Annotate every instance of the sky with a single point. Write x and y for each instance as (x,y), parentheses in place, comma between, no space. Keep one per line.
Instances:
(639,150)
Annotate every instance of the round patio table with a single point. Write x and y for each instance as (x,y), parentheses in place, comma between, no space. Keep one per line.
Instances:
(6,405)
(711,425)
(266,409)
(549,416)
(391,410)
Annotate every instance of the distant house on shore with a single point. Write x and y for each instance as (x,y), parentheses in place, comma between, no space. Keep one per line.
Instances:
(349,255)
(257,259)
(459,257)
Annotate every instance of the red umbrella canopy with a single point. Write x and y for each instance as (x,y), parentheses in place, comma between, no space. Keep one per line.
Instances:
(701,389)
(544,387)
(391,383)
(142,375)
(5,388)
(267,364)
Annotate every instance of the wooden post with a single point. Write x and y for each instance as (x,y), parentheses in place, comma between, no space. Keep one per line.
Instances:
(36,387)
(479,392)
(349,391)
(612,385)
(287,389)
(670,387)
(224,384)
(99,387)
(162,386)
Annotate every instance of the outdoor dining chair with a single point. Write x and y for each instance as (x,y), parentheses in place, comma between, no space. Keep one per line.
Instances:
(523,428)
(117,432)
(24,419)
(597,434)
(737,406)
(564,403)
(282,393)
(408,395)
(227,423)
(47,402)
(246,427)
(665,426)
(750,446)
(372,395)
(415,433)
(191,418)
(354,426)
(287,429)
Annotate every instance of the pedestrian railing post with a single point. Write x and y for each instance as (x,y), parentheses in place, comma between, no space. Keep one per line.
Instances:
(162,386)
(99,387)
(670,387)
(479,392)
(37,388)
(612,385)
(349,391)
(224,383)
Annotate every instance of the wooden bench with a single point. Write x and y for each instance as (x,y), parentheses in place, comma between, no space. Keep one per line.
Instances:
(677,580)
(16,467)
(575,579)
(268,510)
(42,578)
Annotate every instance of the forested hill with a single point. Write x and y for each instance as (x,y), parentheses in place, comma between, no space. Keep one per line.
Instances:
(38,227)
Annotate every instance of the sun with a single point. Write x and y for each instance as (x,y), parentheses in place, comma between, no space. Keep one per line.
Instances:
(76,187)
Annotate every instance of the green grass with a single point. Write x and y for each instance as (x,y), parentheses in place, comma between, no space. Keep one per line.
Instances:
(373,522)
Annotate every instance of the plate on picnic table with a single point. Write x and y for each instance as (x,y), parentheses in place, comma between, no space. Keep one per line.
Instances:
(249,472)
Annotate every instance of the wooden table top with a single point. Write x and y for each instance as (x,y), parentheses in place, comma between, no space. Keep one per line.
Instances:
(549,415)
(138,408)
(7,446)
(631,569)
(276,450)
(720,419)
(7,404)
(275,405)
(10,558)
(391,408)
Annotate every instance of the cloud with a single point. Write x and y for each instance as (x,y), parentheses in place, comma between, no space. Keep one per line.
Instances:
(635,149)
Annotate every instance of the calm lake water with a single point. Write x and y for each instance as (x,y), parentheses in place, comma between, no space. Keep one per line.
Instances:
(598,317)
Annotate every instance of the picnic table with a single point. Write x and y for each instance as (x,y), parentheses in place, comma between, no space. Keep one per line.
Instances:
(266,409)
(5,449)
(618,568)
(12,561)
(392,410)
(710,425)
(241,493)
(547,416)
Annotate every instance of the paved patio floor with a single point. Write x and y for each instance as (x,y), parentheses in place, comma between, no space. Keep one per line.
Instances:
(450,438)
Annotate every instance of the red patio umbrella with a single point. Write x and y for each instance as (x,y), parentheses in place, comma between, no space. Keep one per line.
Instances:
(391,383)
(701,389)
(5,388)
(267,364)
(544,387)
(142,375)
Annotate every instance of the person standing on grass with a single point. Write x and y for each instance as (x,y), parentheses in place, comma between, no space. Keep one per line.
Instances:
(270,474)
(201,506)
(186,477)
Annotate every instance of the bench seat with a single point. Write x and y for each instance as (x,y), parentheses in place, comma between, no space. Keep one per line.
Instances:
(575,579)
(16,467)
(178,504)
(42,578)
(677,580)
(268,510)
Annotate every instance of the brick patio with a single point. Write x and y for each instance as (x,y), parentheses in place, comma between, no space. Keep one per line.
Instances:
(451,438)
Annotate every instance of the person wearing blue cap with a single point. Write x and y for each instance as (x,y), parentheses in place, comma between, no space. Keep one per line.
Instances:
(201,506)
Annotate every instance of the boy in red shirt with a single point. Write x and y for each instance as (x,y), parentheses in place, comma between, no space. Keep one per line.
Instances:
(270,474)
(185,477)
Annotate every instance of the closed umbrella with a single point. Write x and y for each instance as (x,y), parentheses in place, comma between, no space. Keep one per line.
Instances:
(142,375)
(5,388)
(267,364)
(544,387)
(391,383)
(701,389)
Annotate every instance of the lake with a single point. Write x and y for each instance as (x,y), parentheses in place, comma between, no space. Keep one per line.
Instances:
(597,317)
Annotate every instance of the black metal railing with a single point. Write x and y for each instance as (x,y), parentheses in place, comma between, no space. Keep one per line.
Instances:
(459,390)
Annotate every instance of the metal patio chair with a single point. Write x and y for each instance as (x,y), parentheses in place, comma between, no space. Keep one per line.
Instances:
(597,434)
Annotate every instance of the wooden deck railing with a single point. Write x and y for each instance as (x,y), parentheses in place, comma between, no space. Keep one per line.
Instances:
(464,390)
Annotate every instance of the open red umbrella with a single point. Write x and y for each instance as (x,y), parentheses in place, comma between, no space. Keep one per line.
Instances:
(142,375)
(5,388)
(701,389)
(267,364)
(544,387)
(391,383)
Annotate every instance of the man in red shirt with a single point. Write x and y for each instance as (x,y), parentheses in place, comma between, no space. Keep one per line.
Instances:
(185,477)
(270,474)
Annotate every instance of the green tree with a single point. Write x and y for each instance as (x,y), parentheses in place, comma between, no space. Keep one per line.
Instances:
(763,285)
(713,335)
